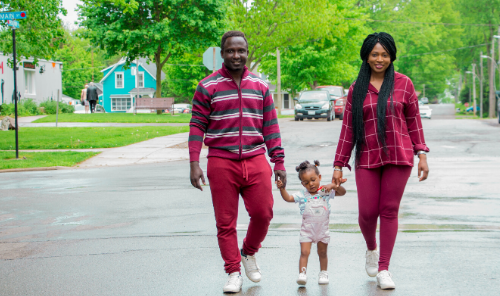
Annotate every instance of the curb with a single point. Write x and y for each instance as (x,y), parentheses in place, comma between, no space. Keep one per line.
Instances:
(35,169)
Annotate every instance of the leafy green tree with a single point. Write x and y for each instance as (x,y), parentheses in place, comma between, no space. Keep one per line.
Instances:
(153,28)
(269,24)
(483,19)
(331,60)
(39,34)
(183,74)
(80,62)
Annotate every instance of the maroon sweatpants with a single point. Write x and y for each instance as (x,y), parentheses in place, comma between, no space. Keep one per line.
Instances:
(252,179)
(379,194)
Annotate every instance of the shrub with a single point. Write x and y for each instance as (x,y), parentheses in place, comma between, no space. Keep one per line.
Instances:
(26,107)
(50,107)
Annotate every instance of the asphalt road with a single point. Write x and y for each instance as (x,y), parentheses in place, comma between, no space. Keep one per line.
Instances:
(143,230)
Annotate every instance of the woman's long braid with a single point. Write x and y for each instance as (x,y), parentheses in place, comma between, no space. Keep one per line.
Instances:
(361,89)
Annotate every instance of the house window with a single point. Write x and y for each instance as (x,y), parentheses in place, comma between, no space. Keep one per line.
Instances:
(141,79)
(120,104)
(286,101)
(119,80)
(29,82)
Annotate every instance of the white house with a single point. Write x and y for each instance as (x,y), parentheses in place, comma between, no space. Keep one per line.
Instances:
(38,82)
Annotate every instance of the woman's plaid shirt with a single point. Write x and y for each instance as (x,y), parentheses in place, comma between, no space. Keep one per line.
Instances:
(404,133)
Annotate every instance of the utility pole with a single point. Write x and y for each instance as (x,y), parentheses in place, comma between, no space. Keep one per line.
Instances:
(424,92)
(491,112)
(278,81)
(481,76)
(459,86)
(92,54)
(474,87)
(15,89)
(137,84)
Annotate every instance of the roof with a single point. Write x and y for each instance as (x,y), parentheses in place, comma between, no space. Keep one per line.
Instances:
(142,90)
(143,62)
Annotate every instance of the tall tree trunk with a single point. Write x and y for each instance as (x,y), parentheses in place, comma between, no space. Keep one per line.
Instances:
(158,77)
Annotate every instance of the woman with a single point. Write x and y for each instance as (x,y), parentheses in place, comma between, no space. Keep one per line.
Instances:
(83,98)
(382,122)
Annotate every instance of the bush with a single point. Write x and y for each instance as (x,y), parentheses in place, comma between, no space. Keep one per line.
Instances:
(50,107)
(26,107)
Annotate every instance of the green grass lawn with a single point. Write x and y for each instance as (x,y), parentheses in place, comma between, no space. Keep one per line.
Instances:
(83,137)
(42,159)
(117,118)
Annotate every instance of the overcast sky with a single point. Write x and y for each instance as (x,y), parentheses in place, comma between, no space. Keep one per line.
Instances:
(72,16)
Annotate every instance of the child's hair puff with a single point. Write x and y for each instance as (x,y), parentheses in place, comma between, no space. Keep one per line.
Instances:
(305,166)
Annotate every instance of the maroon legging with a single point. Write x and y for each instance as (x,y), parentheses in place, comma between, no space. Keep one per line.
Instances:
(379,193)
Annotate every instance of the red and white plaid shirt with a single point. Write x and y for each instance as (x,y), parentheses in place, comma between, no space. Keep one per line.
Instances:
(404,134)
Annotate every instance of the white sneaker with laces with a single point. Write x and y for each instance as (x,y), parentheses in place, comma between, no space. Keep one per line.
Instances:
(371,265)
(252,270)
(302,280)
(323,278)
(234,283)
(384,280)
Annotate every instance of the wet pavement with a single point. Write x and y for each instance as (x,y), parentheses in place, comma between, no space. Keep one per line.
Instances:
(143,230)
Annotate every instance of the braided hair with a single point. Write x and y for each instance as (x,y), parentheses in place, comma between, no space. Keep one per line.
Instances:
(305,166)
(361,88)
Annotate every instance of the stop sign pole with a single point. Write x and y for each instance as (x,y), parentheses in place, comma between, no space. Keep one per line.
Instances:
(10,17)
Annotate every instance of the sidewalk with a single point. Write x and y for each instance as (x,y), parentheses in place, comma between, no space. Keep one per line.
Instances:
(161,149)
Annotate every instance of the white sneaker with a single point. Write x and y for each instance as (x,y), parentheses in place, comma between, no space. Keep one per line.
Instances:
(252,270)
(302,280)
(323,278)
(234,283)
(384,280)
(371,265)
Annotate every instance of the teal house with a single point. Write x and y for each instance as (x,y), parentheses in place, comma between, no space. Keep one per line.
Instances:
(119,85)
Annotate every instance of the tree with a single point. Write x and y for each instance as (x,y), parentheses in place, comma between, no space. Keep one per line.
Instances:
(153,28)
(80,62)
(483,19)
(40,34)
(269,24)
(331,60)
(183,75)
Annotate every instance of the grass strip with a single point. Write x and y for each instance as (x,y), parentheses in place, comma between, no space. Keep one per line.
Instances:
(42,159)
(118,118)
(83,137)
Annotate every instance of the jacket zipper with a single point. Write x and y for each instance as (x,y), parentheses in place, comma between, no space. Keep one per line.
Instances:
(241,109)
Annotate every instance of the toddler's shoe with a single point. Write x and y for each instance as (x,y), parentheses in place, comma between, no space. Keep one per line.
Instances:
(384,280)
(302,280)
(234,283)
(252,270)
(371,265)
(323,278)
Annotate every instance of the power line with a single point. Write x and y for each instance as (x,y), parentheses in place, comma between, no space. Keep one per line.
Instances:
(420,23)
(440,51)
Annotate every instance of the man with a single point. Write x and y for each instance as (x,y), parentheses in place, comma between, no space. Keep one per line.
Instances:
(92,96)
(234,111)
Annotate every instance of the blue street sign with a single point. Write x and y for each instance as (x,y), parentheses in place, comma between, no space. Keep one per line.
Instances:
(12,15)
(14,24)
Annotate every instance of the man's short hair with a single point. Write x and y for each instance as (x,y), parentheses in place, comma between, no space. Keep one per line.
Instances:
(231,34)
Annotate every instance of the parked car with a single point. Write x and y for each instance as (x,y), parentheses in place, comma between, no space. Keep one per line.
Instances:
(338,93)
(315,104)
(424,100)
(182,108)
(425,111)
(471,108)
(498,107)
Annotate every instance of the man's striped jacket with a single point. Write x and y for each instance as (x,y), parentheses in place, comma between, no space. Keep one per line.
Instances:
(237,123)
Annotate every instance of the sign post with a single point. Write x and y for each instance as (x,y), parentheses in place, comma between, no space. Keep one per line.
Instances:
(10,17)
(15,88)
(212,59)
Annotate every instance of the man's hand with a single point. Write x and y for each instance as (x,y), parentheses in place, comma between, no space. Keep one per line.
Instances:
(423,167)
(280,175)
(196,174)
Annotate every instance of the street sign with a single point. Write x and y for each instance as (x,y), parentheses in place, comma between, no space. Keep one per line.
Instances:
(208,58)
(12,15)
(14,24)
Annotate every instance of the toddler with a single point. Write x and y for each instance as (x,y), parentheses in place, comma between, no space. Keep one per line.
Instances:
(314,207)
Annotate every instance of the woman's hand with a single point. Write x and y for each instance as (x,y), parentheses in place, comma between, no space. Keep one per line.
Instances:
(337,177)
(423,167)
